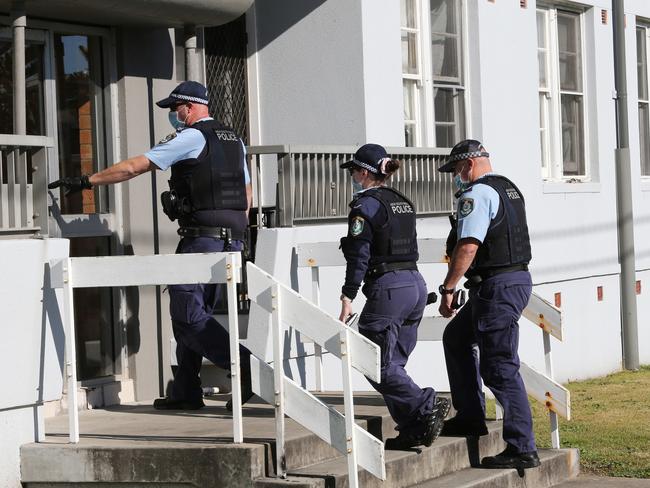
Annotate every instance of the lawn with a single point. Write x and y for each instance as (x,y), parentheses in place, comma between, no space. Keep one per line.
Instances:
(610,424)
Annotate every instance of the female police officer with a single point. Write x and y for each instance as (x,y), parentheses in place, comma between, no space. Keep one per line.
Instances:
(381,250)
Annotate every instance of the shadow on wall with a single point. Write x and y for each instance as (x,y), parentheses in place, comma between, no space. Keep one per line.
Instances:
(280,18)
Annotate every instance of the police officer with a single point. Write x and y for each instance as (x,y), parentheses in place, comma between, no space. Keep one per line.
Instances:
(210,196)
(381,250)
(493,252)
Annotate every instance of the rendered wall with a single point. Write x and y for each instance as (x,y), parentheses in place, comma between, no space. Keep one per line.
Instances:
(31,352)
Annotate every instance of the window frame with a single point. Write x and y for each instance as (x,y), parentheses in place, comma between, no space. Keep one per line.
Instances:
(551,144)
(425,84)
(644,169)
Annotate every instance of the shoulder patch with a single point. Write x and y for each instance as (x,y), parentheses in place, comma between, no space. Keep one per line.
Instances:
(465,207)
(167,138)
(356,226)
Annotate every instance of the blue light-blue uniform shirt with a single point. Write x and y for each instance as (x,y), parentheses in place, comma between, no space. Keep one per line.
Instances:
(476,209)
(187,143)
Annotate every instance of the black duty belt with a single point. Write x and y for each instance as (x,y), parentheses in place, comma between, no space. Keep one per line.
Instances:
(382,268)
(475,277)
(224,233)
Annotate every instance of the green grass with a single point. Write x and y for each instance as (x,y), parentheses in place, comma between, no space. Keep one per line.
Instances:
(610,424)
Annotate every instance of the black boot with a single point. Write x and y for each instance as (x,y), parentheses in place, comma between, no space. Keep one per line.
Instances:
(167,403)
(246,386)
(425,433)
(511,458)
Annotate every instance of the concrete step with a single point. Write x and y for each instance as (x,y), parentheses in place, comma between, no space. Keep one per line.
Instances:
(557,467)
(407,468)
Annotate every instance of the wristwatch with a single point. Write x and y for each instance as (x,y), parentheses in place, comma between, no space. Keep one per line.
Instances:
(445,291)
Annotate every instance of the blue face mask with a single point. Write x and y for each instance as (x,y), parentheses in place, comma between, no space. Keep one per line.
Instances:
(173,120)
(459,183)
(356,187)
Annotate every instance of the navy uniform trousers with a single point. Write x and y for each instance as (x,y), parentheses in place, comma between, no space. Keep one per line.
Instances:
(394,306)
(197,333)
(490,320)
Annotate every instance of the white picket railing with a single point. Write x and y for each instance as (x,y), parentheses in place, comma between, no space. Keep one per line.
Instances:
(287,307)
(540,386)
(178,269)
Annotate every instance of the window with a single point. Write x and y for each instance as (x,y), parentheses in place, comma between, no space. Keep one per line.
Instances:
(642,33)
(432,72)
(561,95)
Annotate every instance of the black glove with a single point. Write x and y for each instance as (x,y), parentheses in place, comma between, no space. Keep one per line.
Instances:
(72,184)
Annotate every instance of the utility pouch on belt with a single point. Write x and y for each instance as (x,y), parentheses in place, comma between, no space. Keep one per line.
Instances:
(172,205)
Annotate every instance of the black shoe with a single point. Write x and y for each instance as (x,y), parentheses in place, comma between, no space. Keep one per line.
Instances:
(246,389)
(435,420)
(424,434)
(245,396)
(457,427)
(510,458)
(169,404)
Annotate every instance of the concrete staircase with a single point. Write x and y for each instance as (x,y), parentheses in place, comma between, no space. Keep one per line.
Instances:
(135,446)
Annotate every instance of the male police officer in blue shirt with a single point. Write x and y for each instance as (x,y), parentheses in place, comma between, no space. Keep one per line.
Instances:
(492,251)
(381,250)
(210,196)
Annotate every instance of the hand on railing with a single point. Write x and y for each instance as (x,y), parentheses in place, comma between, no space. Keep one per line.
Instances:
(72,184)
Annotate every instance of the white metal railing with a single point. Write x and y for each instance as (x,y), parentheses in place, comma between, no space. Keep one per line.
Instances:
(23,184)
(90,272)
(311,187)
(540,386)
(283,306)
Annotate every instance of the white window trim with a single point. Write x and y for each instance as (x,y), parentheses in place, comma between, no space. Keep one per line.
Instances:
(425,133)
(645,179)
(554,138)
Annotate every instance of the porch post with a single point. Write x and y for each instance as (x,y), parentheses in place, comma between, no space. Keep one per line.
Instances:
(18,24)
(191,59)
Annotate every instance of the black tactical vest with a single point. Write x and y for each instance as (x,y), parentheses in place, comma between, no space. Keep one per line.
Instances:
(215,179)
(395,240)
(507,242)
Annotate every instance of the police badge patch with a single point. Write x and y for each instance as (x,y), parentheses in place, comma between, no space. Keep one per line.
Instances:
(356,226)
(465,207)
(167,138)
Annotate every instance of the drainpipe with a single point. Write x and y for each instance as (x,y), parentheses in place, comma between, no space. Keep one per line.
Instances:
(18,24)
(624,207)
(191,58)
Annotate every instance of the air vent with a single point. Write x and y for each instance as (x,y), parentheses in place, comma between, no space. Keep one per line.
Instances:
(603,16)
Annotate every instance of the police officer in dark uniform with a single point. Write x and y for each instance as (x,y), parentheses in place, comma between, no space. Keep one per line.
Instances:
(209,196)
(381,250)
(493,252)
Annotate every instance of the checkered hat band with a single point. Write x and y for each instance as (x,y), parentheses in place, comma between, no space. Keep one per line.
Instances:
(467,155)
(366,166)
(190,99)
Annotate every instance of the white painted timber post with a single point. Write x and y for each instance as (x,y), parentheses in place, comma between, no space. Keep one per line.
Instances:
(70,350)
(555,428)
(318,350)
(278,379)
(233,270)
(348,398)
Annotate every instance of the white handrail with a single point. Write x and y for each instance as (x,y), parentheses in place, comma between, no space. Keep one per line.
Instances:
(540,386)
(285,306)
(91,272)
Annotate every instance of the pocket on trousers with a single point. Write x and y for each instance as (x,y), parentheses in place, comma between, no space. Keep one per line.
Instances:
(383,339)
(496,336)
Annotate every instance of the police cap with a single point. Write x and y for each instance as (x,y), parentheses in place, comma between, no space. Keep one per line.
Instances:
(188,91)
(469,148)
(370,157)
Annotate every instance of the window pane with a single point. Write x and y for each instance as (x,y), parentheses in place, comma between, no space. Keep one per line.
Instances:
(542,51)
(543,132)
(449,115)
(35,104)
(644,138)
(407,13)
(409,53)
(568,32)
(641,63)
(541,29)
(572,135)
(445,39)
(410,135)
(93,315)
(410,112)
(79,96)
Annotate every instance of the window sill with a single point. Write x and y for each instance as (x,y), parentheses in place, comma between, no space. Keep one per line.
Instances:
(565,187)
